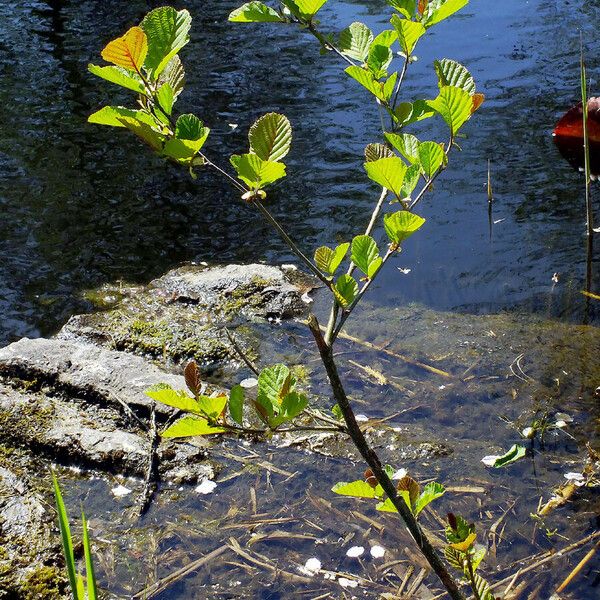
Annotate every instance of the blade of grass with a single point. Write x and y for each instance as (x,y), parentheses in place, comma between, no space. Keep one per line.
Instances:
(586,143)
(90,575)
(65,534)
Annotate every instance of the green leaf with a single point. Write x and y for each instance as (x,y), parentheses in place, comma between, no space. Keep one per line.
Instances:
(177,399)
(439,10)
(406,143)
(148,135)
(365,254)
(388,173)
(167,31)
(328,260)
(409,33)
(430,492)
(165,97)
(336,411)
(112,115)
(401,225)
(212,407)
(256,172)
(191,426)
(255,12)
(478,555)
(407,113)
(190,136)
(345,290)
(406,8)
(411,178)
(66,539)
(271,137)
(461,533)
(355,41)
(357,489)
(368,81)
(274,383)
(388,87)
(386,506)
(515,453)
(374,152)
(482,588)
(236,404)
(292,405)
(90,575)
(387,37)
(431,157)
(450,72)
(379,59)
(120,76)
(174,75)
(304,8)
(454,105)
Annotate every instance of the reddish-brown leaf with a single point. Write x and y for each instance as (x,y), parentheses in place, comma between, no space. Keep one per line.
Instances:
(192,378)
(477,101)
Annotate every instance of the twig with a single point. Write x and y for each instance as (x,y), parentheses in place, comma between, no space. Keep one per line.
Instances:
(156,588)
(151,470)
(241,353)
(578,568)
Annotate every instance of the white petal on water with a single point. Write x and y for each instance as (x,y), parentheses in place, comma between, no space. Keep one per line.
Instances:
(404,271)
(576,478)
(347,583)
(399,474)
(206,487)
(377,551)
(560,424)
(355,551)
(489,461)
(250,382)
(311,567)
(361,418)
(120,491)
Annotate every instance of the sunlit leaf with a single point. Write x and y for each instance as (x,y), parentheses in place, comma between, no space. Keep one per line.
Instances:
(273,384)
(345,290)
(406,143)
(256,172)
(478,555)
(386,506)
(365,254)
(464,545)
(407,113)
(65,534)
(450,72)
(411,179)
(112,115)
(355,41)
(460,531)
(357,489)
(478,100)
(409,489)
(128,51)
(190,426)
(379,89)
(190,136)
(165,98)
(386,38)
(374,152)
(406,8)
(175,398)
(212,407)
(409,33)
(328,260)
(292,405)
(401,225)
(454,105)
(388,173)
(430,492)
(255,12)
(167,30)
(271,137)
(439,10)
(304,8)
(431,157)
(456,558)
(379,59)
(145,132)
(90,575)
(120,76)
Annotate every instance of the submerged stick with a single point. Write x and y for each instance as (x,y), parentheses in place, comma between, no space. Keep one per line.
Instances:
(151,470)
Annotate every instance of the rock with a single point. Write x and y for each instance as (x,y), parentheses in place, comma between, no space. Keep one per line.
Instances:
(86,371)
(181,315)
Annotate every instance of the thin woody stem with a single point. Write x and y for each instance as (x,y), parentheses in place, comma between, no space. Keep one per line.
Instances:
(369,455)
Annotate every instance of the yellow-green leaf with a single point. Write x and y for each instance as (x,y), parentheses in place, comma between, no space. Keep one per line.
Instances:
(128,51)
(191,426)
(120,76)
(409,33)
(401,225)
(454,105)
(388,173)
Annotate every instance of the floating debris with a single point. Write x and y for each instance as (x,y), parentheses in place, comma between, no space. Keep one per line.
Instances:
(377,551)
(311,567)
(206,487)
(120,491)
(355,552)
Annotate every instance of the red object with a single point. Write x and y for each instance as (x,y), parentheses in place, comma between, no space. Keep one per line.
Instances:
(568,135)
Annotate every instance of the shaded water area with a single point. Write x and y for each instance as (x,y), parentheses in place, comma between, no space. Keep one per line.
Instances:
(81,206)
